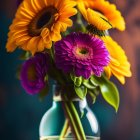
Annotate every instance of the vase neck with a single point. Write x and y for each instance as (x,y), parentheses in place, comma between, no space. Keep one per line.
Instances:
(60,92)
(59,98)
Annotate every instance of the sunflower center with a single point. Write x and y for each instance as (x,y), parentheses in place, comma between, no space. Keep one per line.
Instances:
(44,19)
(31,73)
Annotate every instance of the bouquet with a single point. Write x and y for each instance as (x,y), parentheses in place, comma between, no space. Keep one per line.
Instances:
(69,41)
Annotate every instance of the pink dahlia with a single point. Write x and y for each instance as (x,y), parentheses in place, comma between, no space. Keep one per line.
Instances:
(33,73)
(81,54)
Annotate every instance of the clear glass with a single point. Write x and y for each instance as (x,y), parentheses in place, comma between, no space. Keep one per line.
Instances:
(53,121)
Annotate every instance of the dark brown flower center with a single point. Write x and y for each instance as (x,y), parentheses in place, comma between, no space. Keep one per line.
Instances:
(83,51)
(44,19)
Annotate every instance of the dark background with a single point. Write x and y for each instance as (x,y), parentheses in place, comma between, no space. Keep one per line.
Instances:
(20,114)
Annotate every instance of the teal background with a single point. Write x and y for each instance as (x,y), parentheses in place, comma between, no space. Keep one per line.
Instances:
(20,114)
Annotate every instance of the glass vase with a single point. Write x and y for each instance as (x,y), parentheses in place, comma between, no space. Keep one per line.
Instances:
(55,124)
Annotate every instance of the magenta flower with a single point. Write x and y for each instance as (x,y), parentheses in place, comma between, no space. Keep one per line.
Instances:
(81,54)
(33,73)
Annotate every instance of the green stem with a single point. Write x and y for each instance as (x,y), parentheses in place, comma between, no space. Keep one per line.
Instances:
(70,117)
(74,120)
(77,120)
(54,71)
(79,21)
(64,130)
(52,53)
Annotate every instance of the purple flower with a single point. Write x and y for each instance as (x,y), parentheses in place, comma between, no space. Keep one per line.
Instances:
(81,54)
(33,73)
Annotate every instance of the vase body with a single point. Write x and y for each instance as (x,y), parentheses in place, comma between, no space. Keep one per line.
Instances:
(54,119)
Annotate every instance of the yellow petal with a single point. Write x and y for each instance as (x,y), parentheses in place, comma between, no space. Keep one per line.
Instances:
(35,5)
(55,36)
(20,41)
(28,6)
(49,45)
(119,65)
(40,45)
(11,46)
(32,45)
(46,35)
(68,13)
(108,72)
(67,21)
(98,20)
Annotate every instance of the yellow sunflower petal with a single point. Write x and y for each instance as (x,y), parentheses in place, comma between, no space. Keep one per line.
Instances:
(24,46)
(25,15)
(65,3)
(119,65)
(108,72)
(55,37)
(29,7)
(70,12)
(48,45)
(63,27)
(114,61)
(33,44)
(35,5)
(98,20)
(82,9)
(121,78)
(46,35)
(68,22)
(59,4)
(22,40)
(56,27)
(40,45)
(19,25)
(10,46)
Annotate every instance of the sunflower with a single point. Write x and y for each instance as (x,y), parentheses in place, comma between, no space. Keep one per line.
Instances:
(39,22)
(119,65)
(108,10)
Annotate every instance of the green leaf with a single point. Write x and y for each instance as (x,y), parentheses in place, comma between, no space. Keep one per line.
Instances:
(77,80)
(88,84)
(110,94)
(109,91)
(81,91)
(94,81)
(82,114)
(93,96)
